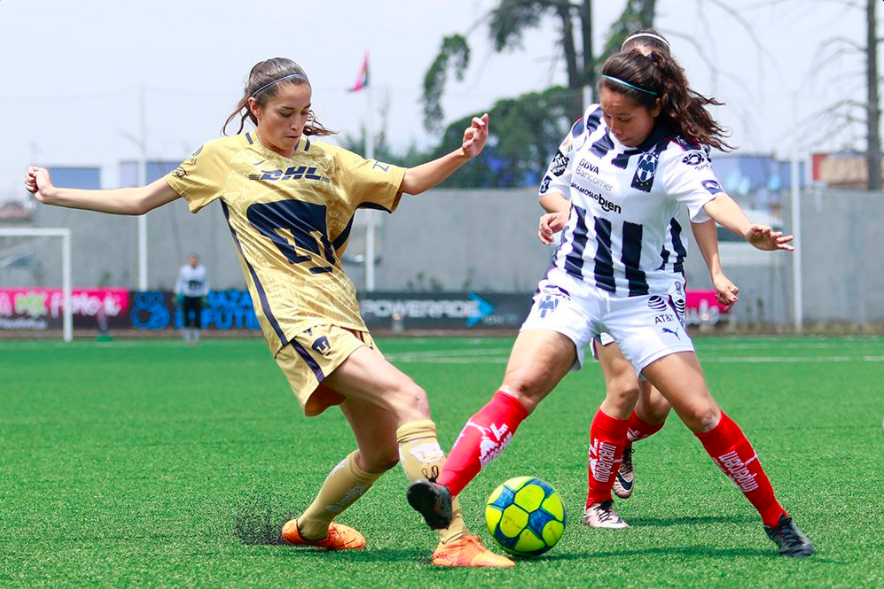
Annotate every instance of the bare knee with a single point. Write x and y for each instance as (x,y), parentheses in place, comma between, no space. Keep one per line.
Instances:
(409,401)
(623,390)
(528,389)
(701,419)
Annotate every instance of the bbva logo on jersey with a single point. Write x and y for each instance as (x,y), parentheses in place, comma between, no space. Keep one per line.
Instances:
(644,172)
(292,173)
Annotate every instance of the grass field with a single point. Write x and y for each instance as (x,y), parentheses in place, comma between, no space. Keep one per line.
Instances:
(143,462)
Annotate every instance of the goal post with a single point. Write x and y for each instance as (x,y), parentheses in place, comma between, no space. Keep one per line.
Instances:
(65,235)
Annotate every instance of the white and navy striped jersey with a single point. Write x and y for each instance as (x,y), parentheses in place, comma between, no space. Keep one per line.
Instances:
(623,235)
(192,282)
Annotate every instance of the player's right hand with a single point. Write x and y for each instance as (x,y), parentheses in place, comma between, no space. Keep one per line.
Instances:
(37,181)
(550,224)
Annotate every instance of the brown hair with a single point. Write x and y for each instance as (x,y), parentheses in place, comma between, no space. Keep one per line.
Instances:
(264,82)
(659,76)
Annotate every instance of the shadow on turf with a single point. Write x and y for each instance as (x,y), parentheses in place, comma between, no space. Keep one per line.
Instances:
(641,522)
(683,550)
(257,523)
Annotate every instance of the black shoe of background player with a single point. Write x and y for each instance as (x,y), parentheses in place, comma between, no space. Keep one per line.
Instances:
(431,500)
(791,541)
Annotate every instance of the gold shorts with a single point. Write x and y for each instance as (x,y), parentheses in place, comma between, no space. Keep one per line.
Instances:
(314,354)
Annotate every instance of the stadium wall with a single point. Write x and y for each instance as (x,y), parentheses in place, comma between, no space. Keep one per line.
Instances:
(485,241)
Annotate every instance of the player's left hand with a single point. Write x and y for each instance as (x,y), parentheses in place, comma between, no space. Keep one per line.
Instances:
(550,224)
(475,136)
(725,291)
(765,238)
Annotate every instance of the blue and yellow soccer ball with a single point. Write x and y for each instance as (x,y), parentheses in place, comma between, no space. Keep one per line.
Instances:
(525,516)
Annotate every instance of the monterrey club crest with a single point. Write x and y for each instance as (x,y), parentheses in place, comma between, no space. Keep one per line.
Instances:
(644,172)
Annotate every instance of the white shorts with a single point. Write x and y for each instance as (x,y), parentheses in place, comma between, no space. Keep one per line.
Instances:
(679,300)
(647,328)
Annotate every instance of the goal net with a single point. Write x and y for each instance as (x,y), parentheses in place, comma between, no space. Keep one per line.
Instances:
(25,301)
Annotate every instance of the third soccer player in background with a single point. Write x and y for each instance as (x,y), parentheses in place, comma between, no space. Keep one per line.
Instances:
(191,289)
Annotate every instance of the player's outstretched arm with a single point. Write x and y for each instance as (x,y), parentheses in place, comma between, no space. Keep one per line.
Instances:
(706,235)
(122,201)
(729,215)
(425,176)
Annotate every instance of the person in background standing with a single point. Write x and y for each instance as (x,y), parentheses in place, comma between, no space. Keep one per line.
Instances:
(191,291)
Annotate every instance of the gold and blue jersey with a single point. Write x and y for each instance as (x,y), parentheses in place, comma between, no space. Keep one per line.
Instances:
(290,219)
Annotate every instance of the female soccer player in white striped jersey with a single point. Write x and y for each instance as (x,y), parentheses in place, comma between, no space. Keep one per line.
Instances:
(628,400)
(290,202)
(636,159)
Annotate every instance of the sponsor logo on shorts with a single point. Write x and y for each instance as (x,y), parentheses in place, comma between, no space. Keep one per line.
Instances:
(657,303)
(712,186)
(680,310)
(672,331)
(548,305)
(322,345)
(664,318)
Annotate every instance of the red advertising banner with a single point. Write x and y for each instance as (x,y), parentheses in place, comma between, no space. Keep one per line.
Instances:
(42,308)
(702,307)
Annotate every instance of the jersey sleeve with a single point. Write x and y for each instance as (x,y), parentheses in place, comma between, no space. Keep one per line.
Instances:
(558,174)
(369,183)
(688,177)
(179,286)
(200,178)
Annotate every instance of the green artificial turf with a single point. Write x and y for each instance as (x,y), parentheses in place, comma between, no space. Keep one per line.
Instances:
(145,462)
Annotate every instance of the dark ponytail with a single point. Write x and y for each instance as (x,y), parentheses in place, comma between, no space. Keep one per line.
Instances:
(264,82)
(659,76)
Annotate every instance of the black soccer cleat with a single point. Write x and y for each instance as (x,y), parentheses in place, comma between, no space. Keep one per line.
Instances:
(791,541)
(431,500)
(624,482)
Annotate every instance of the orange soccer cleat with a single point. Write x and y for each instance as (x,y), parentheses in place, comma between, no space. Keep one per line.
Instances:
(469,552)
(340,537)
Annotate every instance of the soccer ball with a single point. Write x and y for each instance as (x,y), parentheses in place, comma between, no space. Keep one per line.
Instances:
(525,516)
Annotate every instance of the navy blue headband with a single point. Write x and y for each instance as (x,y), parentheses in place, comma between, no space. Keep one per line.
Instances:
(619,81)
(276,81)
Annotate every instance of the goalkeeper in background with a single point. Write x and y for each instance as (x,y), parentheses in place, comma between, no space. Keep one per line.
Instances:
(191,291)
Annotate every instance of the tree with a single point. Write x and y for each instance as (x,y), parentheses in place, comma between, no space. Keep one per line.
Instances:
(849,114)
(507,23)
(873,116)
(524,132)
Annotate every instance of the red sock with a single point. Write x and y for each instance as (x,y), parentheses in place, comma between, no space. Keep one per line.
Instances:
(607,440)
(483,438)
(636,429)
(735,456)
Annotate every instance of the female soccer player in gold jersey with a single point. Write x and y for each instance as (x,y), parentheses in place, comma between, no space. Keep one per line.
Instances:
(290,202)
